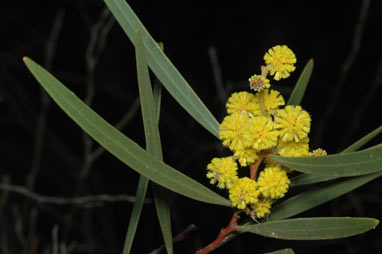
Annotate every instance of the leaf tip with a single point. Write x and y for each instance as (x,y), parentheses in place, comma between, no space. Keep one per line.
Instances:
(376,221)
(25,58)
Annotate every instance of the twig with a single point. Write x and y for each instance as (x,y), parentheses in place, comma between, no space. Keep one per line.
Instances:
(4,196)
(345,68)
(33,238)
(96,44)
(18,227)
(3,230)
(224,236)
(4,240)
(55,247)
(45,102)
(68,201)
(176,238)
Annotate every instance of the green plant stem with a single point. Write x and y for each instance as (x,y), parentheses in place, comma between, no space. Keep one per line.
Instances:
(263,109)
(224,236)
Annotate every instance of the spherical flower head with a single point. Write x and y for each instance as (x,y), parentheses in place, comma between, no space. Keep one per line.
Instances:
(319,152)
(293,123)
(272,100)
(273,182)
(294,149)
(262,132)
(262,208)
(244,103)
(222,171)
(233,131)
(280,60)
(243,192)
(259,83)
(246,156)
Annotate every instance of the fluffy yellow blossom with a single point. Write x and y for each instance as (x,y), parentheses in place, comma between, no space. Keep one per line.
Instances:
(293,123)
(273,182)
(244,103)
(222,171)
(246,156)
(319,152)
(293,149)
(280,60)
(233,131)
(262,208)
(243,192)
(258,82)
(262,133)
(272,100)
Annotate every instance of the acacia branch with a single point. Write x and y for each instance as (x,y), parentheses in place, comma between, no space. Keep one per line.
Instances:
(84,200)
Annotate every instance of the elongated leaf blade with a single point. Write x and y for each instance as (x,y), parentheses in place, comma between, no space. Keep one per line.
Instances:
(317,196)
(283,251)
(310,179)
(304,179)
(157,93)
(135,214)
(153,142)
(345,164)
(300,87)
(118,144)
(162,205)
(166,72)
(153,146)
(150,121)
(363,141)
(313,228)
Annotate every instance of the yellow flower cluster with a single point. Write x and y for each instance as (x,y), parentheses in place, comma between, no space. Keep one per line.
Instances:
(222,171)
(280,60)
(244,192)
(273,182)
(256,126)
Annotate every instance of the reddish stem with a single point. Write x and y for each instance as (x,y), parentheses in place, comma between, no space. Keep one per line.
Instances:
(223,237)
(253,167)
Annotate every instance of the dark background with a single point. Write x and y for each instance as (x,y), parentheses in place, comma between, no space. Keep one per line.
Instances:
(343,99)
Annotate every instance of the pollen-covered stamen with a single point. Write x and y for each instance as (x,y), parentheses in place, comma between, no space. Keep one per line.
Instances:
(258,82)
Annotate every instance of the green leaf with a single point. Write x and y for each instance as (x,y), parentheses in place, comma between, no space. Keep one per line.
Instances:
(304,179)
(364,140)
(313,228)
(157,93)
(283,251)
(166,72)
(150,120)
(135,214)
(118,144)
(157,90)
(162,205)
(300,87)
(317,196)
(346,164)
(153,142)
(153,146)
